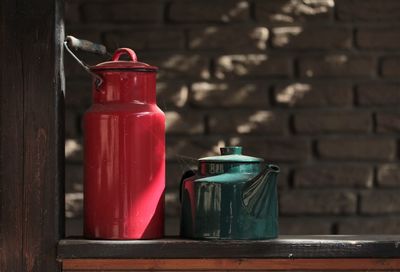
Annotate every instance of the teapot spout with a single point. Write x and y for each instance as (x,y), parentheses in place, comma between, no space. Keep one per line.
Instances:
(259,195)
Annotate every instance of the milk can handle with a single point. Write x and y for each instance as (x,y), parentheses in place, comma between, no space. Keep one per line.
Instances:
(72,42)
(124,51)
(85,45)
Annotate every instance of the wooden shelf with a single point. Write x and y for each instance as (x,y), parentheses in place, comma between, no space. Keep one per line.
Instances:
(330,246)
(333,252)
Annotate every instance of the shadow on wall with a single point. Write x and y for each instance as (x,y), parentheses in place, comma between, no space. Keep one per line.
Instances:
(276,77)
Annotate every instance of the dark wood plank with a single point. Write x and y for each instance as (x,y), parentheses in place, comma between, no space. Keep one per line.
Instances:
(331,246)
(42,163)
(31,148)
(232,264)
(11,140)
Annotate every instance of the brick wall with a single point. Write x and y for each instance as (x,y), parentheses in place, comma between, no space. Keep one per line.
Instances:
(310,85)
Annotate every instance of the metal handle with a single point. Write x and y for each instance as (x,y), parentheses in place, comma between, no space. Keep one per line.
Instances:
(75,43)
(124,51)
(85,45)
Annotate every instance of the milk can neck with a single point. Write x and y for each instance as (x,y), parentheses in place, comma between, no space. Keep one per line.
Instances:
(121,86)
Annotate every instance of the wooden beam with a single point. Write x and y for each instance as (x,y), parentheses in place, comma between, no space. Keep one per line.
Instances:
(31,134)
(231,264)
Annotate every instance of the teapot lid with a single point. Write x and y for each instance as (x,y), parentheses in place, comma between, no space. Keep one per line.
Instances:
(231,154)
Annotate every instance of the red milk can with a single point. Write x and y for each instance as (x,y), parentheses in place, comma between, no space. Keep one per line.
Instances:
(124,147)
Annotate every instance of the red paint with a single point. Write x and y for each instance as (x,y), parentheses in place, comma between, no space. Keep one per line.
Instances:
(122,51)
(124,154)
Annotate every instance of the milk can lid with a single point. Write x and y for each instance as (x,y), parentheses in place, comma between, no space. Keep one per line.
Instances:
(133,64)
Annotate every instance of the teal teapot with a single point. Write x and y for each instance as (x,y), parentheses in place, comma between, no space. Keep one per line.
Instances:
(231,196)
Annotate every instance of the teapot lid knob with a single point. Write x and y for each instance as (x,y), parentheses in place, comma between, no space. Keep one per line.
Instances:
(231,150)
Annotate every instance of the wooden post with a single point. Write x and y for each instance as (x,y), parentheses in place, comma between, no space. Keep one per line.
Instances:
(31,134)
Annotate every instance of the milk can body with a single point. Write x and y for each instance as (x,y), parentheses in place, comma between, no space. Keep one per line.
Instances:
(124,153)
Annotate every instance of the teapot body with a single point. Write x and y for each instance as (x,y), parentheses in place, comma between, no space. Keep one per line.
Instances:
(216,204)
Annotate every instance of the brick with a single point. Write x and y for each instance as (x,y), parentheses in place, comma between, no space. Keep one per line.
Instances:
(72,124)
(300,37)
(389,175)
(73,204)
(252,145)
(209,11)
(226,94)
(283,177)
(337,66)
(74,226)
(314,95)
(378,38)
(175,171)
(145,39)
(73,178)
(314,202)
(293,11)
(134,11)
(287,150)
(72,12)
(368,10)
(172,226)
(78,94)
(187,150)
(333,122)
(388,122)
(225,38)
(391,67)
(179,65)
(380,202)
(252,65)
(304,226)
(339,175)
(75,72)
(74,150)
(371,225)
(172,204)
(248,122)
(377,94)
(357,149)
(90,33)
(172,94)
(184,122)
(275,150)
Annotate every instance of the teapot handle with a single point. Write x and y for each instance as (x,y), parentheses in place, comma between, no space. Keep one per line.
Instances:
(185,175)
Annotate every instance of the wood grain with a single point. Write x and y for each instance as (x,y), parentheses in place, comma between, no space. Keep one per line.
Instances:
(231,264)
(11,141)
(329,246)
(31,145)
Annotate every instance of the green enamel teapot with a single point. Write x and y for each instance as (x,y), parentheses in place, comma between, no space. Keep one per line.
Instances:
(231,196)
